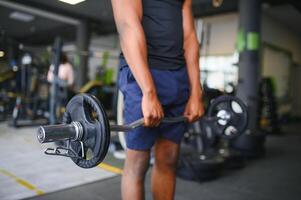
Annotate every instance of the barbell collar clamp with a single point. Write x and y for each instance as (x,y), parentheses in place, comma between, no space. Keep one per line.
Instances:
(79,131)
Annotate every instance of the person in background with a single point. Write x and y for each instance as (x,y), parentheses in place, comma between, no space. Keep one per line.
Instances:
(66,80)
(66,72)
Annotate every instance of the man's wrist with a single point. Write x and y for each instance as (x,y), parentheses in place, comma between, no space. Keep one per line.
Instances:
(149,92)
(197,93)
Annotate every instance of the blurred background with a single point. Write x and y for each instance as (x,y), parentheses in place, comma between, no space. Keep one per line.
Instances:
(250,49)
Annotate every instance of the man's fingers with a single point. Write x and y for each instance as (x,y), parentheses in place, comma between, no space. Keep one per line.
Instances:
(159,118)
(195,118)
(146,122)
(201,113)
(156,120)
(189,118)
(192,117)
(186,113)
(153,120)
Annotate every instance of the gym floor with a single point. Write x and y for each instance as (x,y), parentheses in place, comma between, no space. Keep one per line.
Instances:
(276,176)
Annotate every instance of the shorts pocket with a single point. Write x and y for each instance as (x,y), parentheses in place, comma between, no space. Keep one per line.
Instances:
(122,79)
(130,76)
(127,83)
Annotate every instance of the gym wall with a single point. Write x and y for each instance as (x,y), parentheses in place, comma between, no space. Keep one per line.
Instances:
(108,43)
(222,34)
(277,64)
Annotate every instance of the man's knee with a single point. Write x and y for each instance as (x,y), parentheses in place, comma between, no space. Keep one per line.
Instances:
(136,164)
(166,162)
(166,155)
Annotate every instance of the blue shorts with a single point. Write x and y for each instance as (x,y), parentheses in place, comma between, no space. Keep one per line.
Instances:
(173,92)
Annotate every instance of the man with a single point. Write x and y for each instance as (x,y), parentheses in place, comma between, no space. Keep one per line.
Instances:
(159,77)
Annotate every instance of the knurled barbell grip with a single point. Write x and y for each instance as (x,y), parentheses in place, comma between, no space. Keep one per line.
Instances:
(140,122)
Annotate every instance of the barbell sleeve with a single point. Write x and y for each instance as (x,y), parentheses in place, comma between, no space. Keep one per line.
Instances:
(61,132)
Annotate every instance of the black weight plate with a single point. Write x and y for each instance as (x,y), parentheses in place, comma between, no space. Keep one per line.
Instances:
(200,167)
(237,112)
(234,159)
(251,145)
(87,110)
(208,135)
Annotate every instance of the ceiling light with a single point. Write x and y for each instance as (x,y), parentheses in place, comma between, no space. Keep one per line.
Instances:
(72,2)
(24,17)
(2,54)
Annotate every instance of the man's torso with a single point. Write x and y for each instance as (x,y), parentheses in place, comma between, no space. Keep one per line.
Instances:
(163,28)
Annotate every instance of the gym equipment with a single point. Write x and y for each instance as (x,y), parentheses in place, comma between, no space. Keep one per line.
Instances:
(251,145)
(31,100)
(209,153)
(234,159)
(199,159)
(60,91)
(268,108)
(55,83)
(200,167)
(120,119)
(7,85)
(232,109)
(86,130)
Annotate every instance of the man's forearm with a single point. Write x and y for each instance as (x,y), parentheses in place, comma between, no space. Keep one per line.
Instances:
(191,48)
(133,46)
(128,15)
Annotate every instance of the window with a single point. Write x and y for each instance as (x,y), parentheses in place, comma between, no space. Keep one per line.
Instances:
(219,71)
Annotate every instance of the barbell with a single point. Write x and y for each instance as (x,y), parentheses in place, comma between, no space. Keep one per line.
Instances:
(87,132)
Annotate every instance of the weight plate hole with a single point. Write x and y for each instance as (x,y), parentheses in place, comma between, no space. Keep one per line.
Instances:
(236,107)
(91,114)
(89,154)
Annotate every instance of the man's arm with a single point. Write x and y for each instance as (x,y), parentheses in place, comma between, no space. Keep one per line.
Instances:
(128,16)
(194,108)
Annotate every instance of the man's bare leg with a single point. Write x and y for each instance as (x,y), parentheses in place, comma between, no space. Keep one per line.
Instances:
(135,168)
(164,169)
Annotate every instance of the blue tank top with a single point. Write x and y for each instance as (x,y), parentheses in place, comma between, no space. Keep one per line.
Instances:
(163,28)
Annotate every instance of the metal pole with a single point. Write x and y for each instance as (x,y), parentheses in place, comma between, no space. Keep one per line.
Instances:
(54,85)
(82,40)
(249,61)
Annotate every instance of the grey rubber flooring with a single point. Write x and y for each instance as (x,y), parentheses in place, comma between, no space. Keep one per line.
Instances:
(277,176)
(26,172)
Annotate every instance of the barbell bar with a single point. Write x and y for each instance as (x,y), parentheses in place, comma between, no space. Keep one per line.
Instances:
(86,129)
